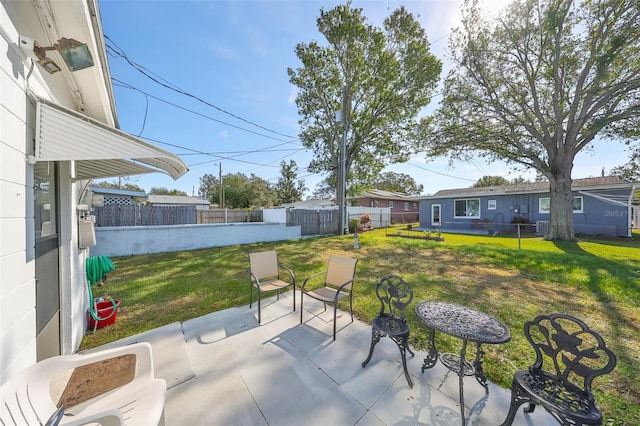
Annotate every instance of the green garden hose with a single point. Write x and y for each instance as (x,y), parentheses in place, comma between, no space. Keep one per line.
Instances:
(97,268)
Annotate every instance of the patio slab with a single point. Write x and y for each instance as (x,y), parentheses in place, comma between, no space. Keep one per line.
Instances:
(226,369)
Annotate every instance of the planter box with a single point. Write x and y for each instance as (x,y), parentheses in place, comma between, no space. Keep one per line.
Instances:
(104,310)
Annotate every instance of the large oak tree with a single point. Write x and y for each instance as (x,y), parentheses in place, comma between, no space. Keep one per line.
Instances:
(536,84)
(389,75)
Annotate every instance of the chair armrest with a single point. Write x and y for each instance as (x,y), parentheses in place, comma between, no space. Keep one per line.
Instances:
(253,277)
(310,277)
(112,417)
(342,287)
(293,278)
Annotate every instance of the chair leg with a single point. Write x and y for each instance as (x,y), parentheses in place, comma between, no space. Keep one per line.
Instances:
(335,311)
(301,309)
(517,399)
(294,296)
(259,318)
(403,346)
(351,305)
(375,338)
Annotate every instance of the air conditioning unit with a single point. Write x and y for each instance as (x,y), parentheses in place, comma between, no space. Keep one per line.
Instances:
(542,227)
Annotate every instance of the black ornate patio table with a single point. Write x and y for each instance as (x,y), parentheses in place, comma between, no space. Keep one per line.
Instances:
(468,325)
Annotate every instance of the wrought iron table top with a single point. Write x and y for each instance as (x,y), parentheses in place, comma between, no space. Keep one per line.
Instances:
(462,322)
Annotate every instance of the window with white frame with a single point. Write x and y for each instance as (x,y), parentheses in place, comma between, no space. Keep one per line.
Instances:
(544,205)
(469,207)
(390,204)
(406,206)
(491,205)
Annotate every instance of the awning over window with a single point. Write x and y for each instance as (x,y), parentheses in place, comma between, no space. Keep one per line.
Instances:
(99,151)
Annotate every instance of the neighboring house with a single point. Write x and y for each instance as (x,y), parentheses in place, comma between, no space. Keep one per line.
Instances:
(601,205)
(110,196)
(404,208)
(177,200)
(58,130)
(311,204)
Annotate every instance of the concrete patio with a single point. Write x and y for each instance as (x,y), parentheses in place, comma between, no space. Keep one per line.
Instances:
(226,369)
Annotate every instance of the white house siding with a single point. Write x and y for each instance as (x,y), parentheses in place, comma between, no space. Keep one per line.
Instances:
(17,236)
(17,267)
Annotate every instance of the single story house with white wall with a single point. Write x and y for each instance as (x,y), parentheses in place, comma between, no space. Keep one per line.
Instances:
(177,200)
(602,206)
(58,130)
(110,196)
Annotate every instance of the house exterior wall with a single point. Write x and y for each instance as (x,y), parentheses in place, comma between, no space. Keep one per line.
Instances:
(398,211)
(17,223)
(497,212)
(17,240)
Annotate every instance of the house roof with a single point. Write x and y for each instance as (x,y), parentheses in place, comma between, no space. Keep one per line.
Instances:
(606,182)
(113,191)
(387,195)
(176,199)
(315,203)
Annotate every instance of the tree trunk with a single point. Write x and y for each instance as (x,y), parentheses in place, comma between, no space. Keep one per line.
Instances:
(561,212)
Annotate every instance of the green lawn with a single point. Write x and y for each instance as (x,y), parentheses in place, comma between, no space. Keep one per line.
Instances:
(595,280)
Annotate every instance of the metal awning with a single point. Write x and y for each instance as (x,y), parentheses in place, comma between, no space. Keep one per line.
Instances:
(99,151)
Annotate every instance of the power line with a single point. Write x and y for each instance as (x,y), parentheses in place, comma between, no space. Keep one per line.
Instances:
(118,52)
(122,84)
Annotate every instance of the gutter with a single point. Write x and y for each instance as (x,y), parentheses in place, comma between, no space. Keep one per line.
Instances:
(96,25)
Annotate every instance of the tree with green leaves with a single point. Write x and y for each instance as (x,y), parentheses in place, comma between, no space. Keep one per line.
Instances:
(238,190)
(485,181)
(385,76)
(398,182)
(127,186)
(537,84)
(209,188)
(164,191)
(631,171)
(289,189)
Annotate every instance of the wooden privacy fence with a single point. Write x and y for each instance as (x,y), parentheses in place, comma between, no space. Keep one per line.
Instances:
(133,215)
(229,216)
(314,222)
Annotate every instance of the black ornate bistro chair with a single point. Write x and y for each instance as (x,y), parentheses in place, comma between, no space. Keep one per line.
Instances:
(264,272)
(338,282)
(394,295)
(569,355)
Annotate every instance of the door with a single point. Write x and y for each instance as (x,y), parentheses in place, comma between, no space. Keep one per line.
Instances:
(435,215)
(47,260)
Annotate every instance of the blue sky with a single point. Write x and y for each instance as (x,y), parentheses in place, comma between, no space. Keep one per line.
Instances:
(233,56)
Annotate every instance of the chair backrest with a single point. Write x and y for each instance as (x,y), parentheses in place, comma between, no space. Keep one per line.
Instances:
(264,264)
(340,270)
(567,348)
(394,294)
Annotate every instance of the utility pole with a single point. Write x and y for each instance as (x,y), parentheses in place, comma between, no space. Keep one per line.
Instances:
(342,164)
(221,198)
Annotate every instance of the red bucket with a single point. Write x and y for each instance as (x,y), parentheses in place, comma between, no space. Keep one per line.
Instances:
(103,310)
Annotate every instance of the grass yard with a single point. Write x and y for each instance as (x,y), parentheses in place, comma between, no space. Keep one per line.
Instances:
(595,280)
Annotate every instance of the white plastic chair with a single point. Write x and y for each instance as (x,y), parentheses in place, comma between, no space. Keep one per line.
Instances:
(26,398)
